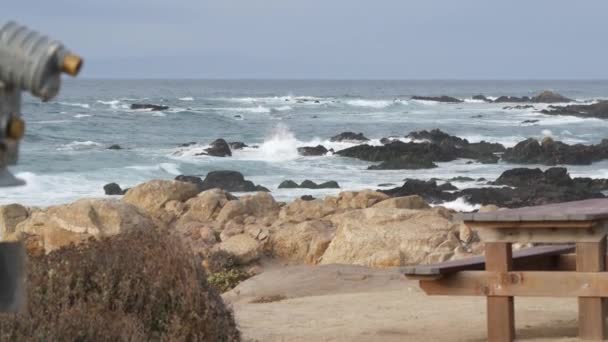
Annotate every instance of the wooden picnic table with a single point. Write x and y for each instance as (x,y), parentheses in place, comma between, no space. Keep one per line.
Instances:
(583,223)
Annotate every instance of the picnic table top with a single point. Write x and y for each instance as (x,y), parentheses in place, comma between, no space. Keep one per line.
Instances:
(587,210)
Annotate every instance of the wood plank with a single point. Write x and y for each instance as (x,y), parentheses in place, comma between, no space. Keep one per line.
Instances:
(531,224)
(587,210)
(543,235)
(590,257)
(520,283)
(522,259)
(500,314)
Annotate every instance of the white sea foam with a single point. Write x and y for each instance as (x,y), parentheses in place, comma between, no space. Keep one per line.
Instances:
(187,98)
(79,146)
(114,104)
(471,100)
(78,116)
(280,145)
(170,168)
(81,105)
(44,122)
(369,103)
(460,204)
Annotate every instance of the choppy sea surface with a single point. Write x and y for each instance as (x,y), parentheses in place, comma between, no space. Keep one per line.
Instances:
(64,155)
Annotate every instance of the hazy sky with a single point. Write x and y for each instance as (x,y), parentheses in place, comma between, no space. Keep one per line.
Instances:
(399,39)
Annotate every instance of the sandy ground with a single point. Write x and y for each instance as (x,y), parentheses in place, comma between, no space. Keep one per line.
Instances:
(352,303)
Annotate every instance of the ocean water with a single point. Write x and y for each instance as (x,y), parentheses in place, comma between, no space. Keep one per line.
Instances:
(64,155)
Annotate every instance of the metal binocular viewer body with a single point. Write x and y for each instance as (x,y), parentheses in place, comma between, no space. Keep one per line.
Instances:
(30,62)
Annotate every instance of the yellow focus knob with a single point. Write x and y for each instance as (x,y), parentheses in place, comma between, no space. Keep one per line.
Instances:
(16,128)
(71,64)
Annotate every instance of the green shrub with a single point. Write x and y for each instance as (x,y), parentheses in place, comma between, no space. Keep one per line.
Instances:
(224,271)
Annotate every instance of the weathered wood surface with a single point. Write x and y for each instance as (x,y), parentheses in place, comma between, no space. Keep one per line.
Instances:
(587,210)
(543,235)
(520,283)
(590,257)
(500,309)
(522,258)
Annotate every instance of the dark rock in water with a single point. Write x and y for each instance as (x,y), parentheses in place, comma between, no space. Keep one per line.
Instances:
(318,150)
(237,116)
(349,136)
(219,148)
(550,97)
(529,121)
(477,116)
(519,107)
(148,106)
(439,146)
(308,184)
(187,144)
(595,110)
(526,187)
(482,98)
(443,98)
(237,145)
(388,140)
(329,185)
(429,190)
(481,179)
(512,99)
(461,179)
(191,179)
(544,97)
(447,187)
(386,184)
(551,152)
(307,198)
(113,189)
(405,162)
(114,147)
(230,181)
(288,184)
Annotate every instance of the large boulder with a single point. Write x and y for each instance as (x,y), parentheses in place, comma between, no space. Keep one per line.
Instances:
(61,225)
(206,206)
(308,184)
(259,205)
(385,237)
(10,216)
(232,181)
(349,137)
(243,247)
(153,195)
(302,210)
(219,148)
(302,243)
(405,202)
(551,152)
(357,199)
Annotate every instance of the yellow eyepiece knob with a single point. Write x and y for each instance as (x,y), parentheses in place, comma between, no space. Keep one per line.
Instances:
(16,128)
(71,64)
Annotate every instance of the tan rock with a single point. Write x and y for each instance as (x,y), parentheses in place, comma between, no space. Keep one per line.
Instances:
(207,205)
(465,233)
(305,242)
(10,216)
(153,195)
(300,211)
(245,248)
(231,228)
(262,204)
(359,199)
(386,237)
(60,225)
(405,202)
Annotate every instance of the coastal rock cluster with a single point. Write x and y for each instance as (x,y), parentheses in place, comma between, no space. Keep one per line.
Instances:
(348,228)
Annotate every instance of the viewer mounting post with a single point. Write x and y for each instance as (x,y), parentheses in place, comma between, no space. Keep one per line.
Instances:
(30,62)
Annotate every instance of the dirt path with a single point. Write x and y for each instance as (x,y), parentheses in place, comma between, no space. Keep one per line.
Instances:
(351,303)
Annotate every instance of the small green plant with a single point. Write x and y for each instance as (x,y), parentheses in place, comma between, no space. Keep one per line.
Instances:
(228,279)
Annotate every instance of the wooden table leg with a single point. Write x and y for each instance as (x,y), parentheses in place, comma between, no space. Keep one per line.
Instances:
(591,311)
(501,318)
